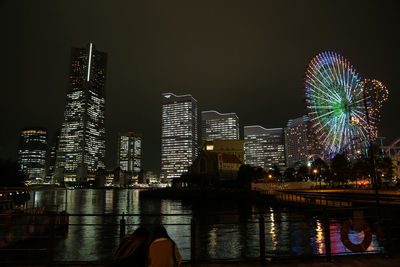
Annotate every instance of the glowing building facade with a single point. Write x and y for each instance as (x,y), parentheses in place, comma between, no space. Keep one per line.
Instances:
(81,149)
(32,153)
(130,152)
(300,141)
(219,126)
(264,147)
(179,136)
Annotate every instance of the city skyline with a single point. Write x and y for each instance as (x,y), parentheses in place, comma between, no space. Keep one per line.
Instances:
(234,71)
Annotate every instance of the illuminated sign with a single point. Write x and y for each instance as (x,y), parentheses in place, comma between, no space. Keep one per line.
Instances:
(209,147)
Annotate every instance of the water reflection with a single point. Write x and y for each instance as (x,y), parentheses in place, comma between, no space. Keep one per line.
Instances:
(319,238)
(272,231)
(219,234)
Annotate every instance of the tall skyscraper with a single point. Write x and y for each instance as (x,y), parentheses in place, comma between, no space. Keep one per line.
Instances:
(81,150)
(264,147)
(32,153)
(219,126)
(130,152)
(179,136)
(52,155)
(300,141)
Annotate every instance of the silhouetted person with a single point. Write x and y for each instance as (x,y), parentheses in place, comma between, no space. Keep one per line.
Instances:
(163,251)
(132,251)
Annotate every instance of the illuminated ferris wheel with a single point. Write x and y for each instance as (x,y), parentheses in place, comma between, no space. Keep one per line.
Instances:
(338,103)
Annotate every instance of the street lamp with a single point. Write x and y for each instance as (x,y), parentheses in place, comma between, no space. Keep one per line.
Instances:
(315,171)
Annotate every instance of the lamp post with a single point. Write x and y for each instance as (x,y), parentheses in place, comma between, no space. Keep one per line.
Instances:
(315,171)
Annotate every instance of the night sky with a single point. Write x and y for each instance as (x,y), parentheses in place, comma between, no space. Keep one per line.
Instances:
(247,57)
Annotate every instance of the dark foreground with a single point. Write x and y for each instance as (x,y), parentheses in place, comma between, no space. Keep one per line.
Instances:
(355,260)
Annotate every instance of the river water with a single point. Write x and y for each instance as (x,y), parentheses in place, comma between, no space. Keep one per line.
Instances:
(232,236)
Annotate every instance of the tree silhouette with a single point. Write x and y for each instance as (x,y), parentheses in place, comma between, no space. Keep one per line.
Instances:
(340,167)
(289,174)
(11,175)
(246,175)
(360,168)
(302,173)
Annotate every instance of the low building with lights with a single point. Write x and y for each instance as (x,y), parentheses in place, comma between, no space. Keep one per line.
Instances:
(230,147)
(215,166)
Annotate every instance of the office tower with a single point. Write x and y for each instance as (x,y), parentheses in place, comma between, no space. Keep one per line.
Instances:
(81,150)
(130,152)
(264,147)
(179,136)
(32,153)
(52,155)
(300,141)
(218,126)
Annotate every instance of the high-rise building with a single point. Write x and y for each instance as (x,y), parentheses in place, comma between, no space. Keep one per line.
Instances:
(300,141)
(130,152)
(179,136)
(32,153)
(219,126)
(81,149)
(264,147)
(52,155)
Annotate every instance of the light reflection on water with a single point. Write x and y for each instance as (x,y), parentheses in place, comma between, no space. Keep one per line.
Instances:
(217,236)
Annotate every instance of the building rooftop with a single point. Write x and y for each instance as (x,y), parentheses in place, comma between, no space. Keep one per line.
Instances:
(170,97)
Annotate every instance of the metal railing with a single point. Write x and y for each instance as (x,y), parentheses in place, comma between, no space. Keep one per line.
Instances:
(345,198)
(53,232)
(313,199)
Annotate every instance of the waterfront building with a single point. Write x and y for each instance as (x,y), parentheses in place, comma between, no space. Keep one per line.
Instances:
(81,149)
(300,142)
(32,153)
(264,147)
(52,155)
(219,126)
(179,134)
(215,166)
(130,152)
(230,147)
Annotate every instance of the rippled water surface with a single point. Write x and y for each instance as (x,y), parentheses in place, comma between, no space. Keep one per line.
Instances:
(218,235)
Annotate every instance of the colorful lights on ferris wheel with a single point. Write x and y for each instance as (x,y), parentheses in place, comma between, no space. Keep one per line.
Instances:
(343,108)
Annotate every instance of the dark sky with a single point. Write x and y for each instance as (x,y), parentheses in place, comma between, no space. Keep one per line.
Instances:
(247,57)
